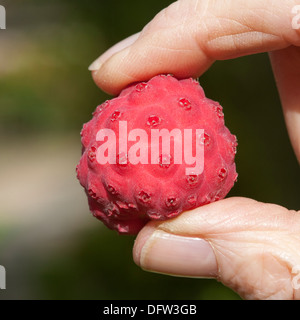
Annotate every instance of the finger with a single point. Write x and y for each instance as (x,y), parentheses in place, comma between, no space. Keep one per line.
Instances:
(286,67)
(188,36)
(251,247)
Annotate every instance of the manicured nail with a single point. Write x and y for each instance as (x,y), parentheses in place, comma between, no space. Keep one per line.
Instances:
(177,255)
(96,65)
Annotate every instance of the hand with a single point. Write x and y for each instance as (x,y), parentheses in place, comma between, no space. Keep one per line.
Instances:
(252,247)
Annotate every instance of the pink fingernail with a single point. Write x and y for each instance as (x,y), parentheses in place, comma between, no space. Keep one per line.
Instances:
(177,255)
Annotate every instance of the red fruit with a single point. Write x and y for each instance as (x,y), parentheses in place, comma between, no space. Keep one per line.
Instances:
(126,194)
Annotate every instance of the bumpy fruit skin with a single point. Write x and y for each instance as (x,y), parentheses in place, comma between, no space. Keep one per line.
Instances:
(125,196)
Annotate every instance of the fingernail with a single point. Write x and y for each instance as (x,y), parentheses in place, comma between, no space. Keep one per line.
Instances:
(177,255)
(96,65)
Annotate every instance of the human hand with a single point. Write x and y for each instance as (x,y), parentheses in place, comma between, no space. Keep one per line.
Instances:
(251,247)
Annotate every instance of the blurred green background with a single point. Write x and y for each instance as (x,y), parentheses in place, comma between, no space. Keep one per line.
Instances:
(50,245)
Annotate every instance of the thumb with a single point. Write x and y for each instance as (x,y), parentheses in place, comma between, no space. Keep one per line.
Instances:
(188,36)
(250,247)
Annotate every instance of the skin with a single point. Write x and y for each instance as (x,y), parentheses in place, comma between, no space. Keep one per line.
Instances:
(251,247)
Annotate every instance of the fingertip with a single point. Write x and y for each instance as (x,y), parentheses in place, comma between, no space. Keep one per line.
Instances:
(158,251)
(96,65)
(105,70)
(147,57)
(140,241)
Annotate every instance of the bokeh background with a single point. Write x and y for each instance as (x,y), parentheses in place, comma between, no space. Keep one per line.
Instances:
(50,245)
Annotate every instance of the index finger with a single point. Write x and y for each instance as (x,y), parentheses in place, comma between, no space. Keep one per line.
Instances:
(188,36)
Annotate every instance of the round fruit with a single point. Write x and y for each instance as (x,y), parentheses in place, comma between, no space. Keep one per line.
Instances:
(159,148)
